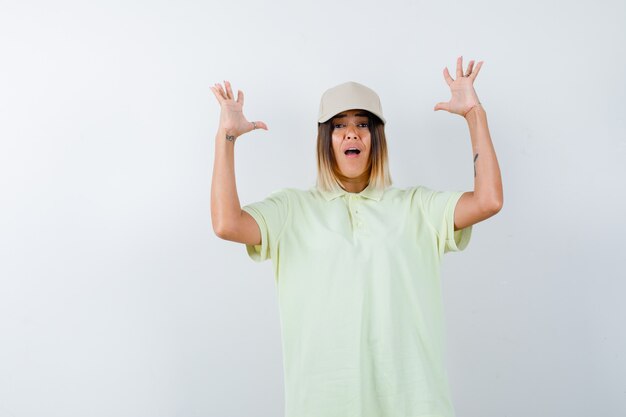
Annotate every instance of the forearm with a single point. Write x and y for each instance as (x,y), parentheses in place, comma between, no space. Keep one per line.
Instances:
(225,206)
(487,179)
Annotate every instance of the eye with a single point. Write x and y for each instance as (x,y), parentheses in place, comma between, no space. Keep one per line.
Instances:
(364,125)
(338,125)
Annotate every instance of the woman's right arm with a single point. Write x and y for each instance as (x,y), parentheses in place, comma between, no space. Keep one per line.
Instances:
(229,221)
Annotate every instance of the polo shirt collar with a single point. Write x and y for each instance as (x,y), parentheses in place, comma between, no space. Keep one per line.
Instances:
(368,192)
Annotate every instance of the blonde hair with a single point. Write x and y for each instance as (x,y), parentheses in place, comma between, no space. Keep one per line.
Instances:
(378,165)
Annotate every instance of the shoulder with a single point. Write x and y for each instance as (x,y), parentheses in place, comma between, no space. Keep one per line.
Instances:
(420,192)
(294,195)
(414,196)
(403,193)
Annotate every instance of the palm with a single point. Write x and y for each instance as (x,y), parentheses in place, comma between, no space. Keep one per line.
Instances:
(232,118)
(464,96)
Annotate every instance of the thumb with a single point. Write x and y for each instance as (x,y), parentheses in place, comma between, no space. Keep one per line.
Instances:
(442,106)
(261,125)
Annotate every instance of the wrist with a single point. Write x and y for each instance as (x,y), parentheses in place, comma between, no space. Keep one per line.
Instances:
(228,135)
(474,109)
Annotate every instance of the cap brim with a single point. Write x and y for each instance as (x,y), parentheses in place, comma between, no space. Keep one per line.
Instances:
(327,116)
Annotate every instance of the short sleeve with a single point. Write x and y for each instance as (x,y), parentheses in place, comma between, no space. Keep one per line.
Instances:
(271,215)
(438,208)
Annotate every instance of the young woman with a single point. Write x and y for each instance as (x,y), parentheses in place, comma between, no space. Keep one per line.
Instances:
(356,261)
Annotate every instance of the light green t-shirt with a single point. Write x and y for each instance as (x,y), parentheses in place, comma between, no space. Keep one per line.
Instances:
(359,292)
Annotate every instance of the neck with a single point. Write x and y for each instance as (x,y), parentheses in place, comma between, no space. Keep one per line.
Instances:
(355,185)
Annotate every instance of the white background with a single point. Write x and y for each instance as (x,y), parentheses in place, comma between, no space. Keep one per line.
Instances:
(116,297)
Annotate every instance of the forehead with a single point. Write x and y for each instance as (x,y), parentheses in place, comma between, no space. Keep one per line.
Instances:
(351,113)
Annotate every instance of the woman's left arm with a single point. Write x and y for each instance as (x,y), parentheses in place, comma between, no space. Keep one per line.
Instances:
(487,198)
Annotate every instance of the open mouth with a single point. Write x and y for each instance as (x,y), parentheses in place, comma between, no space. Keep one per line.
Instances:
(352,152)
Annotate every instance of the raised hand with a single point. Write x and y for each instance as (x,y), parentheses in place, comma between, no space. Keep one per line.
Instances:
(232,119)
(464,96)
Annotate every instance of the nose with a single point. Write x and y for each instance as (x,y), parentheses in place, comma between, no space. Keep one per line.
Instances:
(351,132)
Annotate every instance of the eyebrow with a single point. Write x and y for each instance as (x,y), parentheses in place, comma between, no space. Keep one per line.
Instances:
(339,116)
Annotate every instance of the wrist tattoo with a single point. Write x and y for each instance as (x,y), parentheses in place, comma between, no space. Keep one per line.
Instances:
(475,158)
(230,138)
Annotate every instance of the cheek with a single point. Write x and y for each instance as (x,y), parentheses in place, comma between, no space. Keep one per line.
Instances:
(367,141)
(336,144)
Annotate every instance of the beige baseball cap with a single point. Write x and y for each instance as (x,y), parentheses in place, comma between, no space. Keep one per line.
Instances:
(347,96)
